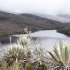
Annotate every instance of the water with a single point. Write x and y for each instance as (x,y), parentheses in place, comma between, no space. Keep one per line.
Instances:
(50,43)
(48,39)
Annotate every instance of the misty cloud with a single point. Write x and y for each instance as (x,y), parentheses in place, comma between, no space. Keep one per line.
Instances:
(36,6)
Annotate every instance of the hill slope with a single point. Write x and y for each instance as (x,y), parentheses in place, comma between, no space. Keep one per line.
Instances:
(13,23)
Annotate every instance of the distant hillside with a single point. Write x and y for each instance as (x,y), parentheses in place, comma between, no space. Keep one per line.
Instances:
(12,23)
(15,23)
(64,16)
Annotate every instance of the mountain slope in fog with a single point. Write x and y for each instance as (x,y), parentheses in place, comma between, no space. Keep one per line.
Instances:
(15,23)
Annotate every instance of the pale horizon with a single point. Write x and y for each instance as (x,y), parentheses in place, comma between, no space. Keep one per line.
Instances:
(46,7)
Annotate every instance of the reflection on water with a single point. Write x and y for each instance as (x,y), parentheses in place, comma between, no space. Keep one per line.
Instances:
(49,43)
(49,38)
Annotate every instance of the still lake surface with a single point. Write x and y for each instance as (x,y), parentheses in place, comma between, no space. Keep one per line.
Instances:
(48,39)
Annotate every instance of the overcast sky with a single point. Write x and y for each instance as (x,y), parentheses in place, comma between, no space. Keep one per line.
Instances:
(51,7)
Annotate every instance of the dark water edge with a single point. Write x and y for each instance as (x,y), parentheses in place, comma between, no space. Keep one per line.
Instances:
(6,39)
